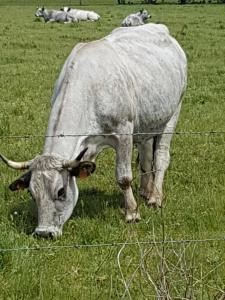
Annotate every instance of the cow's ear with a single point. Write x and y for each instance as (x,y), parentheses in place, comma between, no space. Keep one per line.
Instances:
(84,169)
(68,9)
(21,183)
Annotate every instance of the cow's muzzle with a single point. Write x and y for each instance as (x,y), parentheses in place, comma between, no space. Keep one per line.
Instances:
(47,232)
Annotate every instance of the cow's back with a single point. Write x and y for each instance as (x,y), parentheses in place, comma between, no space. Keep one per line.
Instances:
(155,71)
(135,74)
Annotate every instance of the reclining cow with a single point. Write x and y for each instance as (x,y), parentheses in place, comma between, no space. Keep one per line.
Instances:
(54,15)
(107,98)
(81,15)
(136,19)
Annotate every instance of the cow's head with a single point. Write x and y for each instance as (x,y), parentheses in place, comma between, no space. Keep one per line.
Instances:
(40,11)
(144,14)
(65,8)
(50,180)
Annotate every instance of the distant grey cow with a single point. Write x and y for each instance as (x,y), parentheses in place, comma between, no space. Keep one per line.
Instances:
(54,15)
(121,90)
(136,19)
(81,15)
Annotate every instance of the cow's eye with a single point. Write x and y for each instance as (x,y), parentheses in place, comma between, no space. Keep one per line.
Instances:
(61,192)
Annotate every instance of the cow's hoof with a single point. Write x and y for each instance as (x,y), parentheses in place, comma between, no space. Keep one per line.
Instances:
(144,194)
(154,202)
(132,217)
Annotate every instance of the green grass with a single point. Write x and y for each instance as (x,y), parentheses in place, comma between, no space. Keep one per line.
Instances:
(32,54)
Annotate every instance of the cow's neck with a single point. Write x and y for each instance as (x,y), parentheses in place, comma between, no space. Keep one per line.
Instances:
(67,127)
(46,15)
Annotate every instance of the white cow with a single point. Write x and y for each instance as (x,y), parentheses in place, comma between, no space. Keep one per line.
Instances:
(54,15)
(121,90)
(82,15)
(136,19)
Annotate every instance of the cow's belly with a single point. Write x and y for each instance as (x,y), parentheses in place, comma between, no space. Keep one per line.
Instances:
(155,110)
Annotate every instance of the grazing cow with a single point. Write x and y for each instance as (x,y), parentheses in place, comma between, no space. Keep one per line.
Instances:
(81,15)
(54,15)
(121,90)
(136,19)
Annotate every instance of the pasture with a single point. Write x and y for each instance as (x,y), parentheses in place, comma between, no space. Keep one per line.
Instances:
(32,54)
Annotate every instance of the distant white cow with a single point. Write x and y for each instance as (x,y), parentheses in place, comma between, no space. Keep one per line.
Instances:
(54,15)
(136,19)
(81,15)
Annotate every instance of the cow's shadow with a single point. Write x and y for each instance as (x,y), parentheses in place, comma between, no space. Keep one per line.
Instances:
(92,203)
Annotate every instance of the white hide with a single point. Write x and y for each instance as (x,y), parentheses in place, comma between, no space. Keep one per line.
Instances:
(82,15)
(136,19)
(110,93)
(52,15)
(127,83)
(135,75)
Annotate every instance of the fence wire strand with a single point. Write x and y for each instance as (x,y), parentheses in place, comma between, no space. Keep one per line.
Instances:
(153,133)
(114,244)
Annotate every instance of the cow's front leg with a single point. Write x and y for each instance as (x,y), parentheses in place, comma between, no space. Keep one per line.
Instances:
(124,176)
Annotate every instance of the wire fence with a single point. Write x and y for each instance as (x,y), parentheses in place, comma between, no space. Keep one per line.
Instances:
(113,244)
(152,133)
(174,256)
(57,3)
(74,3)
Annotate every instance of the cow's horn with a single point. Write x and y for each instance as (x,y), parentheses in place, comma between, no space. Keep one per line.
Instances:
(74,163)
(16,165)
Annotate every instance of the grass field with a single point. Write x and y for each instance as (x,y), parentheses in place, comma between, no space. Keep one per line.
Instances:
(32,54)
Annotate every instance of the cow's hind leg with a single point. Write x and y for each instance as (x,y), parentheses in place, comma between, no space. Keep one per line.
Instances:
(124,176)
(162,159)
(145,152)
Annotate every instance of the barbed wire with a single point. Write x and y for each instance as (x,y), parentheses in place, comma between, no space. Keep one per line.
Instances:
(62,135)
(113,244)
